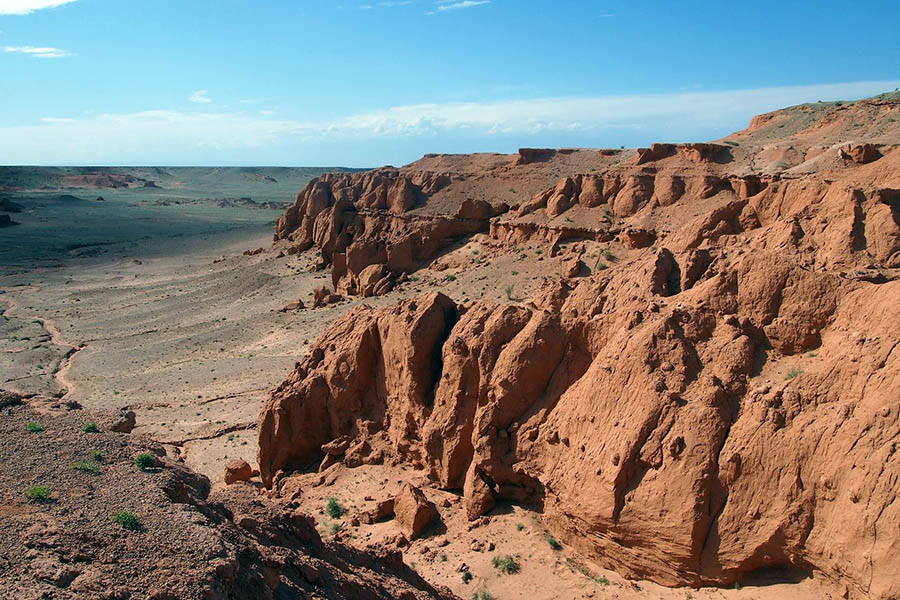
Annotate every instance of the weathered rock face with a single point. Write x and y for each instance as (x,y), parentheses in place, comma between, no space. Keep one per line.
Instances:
(363,227)
(631,413)
(723,400)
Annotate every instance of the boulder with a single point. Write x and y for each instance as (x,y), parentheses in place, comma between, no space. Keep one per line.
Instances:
(237,470)
(413,511)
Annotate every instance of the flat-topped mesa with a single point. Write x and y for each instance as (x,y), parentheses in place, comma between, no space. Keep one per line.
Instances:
(528,156)
(694,153)
(366,229)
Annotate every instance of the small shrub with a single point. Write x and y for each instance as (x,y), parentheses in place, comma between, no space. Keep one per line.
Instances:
(88,466)
(792,373)
(38,493)
(730,143)
(450,277)
(335,528)
(600,266)
(144,461)
(127,520)
(554,543)
(520,526)
(515,272)
(334,508)
(506,564)
(34,427)
(509,292)
(483,595)
(96,455)
(608,255)
(466,577)
(91,428)
(443,558)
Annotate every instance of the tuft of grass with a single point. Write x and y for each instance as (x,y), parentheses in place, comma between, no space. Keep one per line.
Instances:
(88,466)
(554,543)
(600,266)
(91,427)
(443,558)
(34,427)
(506,564)
(792,373)
(127,520)
(96,455)
(144,461)
(335,528)
(520,526)
(482,595)
(509,292)
(466,577)
(450,277)
(334,508)
(608,255)
(730,143)
(38,493)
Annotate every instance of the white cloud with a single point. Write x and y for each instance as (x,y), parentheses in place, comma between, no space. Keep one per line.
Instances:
(446,5)
(159,136)
(38,51)
(200,97)
(25,7)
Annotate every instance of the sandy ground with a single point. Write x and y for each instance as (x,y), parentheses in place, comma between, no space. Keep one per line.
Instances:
(454,545)
(193,341)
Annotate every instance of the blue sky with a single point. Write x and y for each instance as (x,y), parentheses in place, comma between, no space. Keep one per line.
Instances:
(369,82)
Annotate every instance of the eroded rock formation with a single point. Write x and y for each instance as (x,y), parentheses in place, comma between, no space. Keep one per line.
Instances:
(723,401)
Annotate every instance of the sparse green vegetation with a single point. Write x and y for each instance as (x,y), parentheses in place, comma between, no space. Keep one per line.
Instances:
(600,266)
(608,255)
(34,427)
(144,461)
(509,292)
(335,528)
(450,277)
(88,466)
(466,577)
(127,520)
(96,455)
(730,143)
(520,526)
(554,543)
(334,508)
(443,557)
(91,427)
(482,595)
(792,373)
(506,564)
(38,493)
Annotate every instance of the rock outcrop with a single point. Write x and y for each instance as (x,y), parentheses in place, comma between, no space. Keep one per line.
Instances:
(721,402)
(634,415)
(365,227)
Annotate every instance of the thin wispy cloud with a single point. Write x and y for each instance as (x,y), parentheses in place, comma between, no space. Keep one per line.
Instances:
(200,97)
(26,7)
(247,136)
(449,5)
(38,51)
